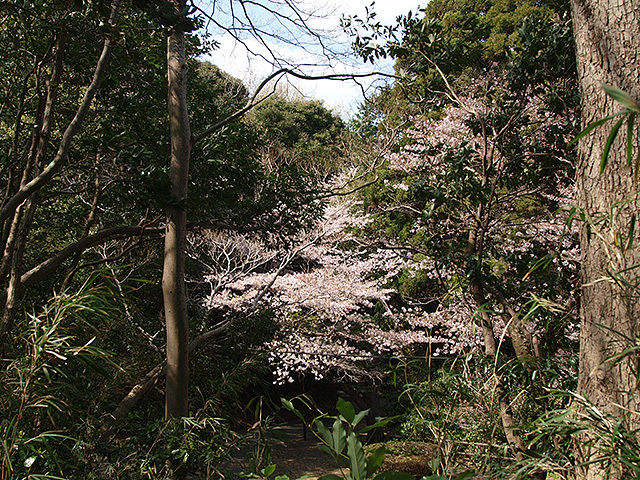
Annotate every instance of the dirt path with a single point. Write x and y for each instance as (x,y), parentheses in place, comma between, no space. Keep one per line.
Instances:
(293,456)
(299,457)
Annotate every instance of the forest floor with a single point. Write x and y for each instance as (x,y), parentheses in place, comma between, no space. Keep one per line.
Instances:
(293,455)
(296,457)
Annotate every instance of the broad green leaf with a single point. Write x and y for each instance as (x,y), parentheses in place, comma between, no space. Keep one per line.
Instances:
(607,146)
(630,123)
(267,471)
(358,418)
(331,476)
(339,436)
(622,97)
(324,449)
(324,433)
(393,476)
(375,460)
(346,410)
(380,423)
(356,455)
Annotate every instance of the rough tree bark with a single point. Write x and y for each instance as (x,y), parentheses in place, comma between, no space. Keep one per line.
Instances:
(607,33)
(173,285)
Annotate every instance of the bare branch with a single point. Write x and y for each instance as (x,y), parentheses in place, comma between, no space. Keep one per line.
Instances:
(256,99)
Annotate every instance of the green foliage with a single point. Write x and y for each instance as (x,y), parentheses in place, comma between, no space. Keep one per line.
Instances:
(452,406)
(199,443)
(544,37)
(52,362)
(301,133)
(564,439)
(342,442)
(629,113)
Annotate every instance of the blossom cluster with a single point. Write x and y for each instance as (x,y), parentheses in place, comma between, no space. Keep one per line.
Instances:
(336,298)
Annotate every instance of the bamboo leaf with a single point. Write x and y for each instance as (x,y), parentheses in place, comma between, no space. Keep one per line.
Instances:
(593,125)
(622,97)
(607,147)
(630,123)
(635,170)
(632,231)
(289,406)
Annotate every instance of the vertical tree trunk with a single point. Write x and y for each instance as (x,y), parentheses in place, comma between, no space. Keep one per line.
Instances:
(173,287)
(607,34)
(474,249)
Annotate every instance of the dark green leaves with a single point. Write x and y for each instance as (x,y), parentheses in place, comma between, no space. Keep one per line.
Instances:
(342,442)
(346,410)
(630,112)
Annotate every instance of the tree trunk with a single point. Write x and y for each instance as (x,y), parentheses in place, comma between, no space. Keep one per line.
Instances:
(173,286)
(607,35)
(491,350)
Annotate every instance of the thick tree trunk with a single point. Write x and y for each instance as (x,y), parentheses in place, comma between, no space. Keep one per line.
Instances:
(173,286)
(607,33)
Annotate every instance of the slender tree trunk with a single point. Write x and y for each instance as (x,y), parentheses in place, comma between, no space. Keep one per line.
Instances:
(491,350)
(173,286)
(12,256)
(38,181)
(607,34)
(474,249)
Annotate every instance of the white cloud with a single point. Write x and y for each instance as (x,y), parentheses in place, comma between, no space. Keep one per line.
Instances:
(251,65)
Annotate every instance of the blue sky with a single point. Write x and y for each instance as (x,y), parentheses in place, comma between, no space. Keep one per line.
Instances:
(343,97)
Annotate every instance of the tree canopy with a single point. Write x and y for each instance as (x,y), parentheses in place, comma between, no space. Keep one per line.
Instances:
(168,234)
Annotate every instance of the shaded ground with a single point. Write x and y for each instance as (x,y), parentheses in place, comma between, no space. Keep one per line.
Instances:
(299,457)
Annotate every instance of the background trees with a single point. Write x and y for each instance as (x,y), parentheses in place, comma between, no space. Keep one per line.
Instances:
(475,172)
